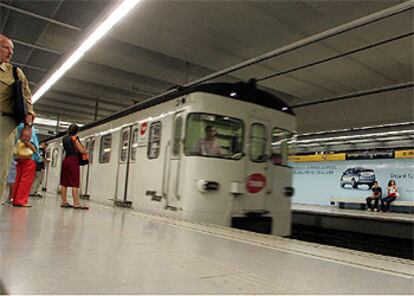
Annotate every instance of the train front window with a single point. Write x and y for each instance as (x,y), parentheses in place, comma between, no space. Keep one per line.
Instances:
(280,151)
(214,136)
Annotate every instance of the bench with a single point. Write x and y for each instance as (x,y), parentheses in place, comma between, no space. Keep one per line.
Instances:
(342,201)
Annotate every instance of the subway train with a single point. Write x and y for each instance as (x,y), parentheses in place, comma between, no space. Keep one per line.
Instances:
(201,154)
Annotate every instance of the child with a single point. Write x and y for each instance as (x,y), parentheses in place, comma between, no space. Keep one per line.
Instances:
(25,149)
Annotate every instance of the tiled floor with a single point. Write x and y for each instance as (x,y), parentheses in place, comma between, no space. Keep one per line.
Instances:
(49,250)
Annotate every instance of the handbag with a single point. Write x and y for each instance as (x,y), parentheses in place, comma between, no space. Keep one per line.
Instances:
(21,150)
(20,106)
(83,157)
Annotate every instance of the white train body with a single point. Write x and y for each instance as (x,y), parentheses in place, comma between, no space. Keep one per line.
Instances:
(152,159)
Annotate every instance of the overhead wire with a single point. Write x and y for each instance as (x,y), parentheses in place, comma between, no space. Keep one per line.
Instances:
(336,56)
(394,10)
(352,95)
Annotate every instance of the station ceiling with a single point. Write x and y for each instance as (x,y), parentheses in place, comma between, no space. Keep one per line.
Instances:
(161,44)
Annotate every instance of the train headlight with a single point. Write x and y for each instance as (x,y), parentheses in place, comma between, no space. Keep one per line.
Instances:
(288,191)
(207,186)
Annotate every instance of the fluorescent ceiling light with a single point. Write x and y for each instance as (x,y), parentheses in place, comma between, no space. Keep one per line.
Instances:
(52,122)
(352,137)
(358,128)
(117,14)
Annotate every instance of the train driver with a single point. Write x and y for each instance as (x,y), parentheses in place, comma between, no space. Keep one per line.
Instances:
(209,146)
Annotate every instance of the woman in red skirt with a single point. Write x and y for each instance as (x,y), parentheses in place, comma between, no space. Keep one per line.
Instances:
(69,175)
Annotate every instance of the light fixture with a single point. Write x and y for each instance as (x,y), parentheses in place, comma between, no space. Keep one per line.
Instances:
(353,137)
(52,122)
(117,14)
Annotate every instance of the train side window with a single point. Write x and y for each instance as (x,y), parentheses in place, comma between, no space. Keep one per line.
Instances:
(124,144)
(55,154)
(91,150)
(280,151)
(105,149)
(257,142)
(154,140)
(177,135)
(134,143)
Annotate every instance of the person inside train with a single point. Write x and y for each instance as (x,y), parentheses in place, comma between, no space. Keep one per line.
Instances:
(70,172)
(392,191)
(209,146)
(375,196)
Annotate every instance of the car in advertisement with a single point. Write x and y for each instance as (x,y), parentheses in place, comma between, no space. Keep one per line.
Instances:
(356,176)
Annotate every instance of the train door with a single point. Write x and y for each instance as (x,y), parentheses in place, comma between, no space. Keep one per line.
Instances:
(174,164)
(124,164)
(256,174)
(85,170)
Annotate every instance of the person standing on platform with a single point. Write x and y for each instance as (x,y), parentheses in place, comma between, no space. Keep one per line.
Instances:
(375,196)
(40,168)
(70,172)
(26,152)
(7,100)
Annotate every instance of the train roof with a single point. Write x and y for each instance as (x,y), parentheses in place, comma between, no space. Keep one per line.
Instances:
(242,91)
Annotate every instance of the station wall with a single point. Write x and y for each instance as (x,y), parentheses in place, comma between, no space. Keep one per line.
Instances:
(316,182)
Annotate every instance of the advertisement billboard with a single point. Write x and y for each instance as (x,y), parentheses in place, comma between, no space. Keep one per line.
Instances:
(317,182)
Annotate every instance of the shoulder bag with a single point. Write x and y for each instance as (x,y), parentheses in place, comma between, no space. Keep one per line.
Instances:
(20,107)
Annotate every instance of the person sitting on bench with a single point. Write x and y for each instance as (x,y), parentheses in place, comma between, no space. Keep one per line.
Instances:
(392,195)
(375,196)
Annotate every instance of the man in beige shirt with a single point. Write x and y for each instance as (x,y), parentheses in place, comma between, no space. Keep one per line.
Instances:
(7,99)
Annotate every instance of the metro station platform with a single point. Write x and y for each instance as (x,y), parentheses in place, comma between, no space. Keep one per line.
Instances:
(105,250)
(390,224)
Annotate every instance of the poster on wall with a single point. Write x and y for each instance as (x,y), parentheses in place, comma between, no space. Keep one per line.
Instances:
(317,182)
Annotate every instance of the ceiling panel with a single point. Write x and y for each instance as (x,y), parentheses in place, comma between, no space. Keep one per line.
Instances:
(166,43)
(79,12)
